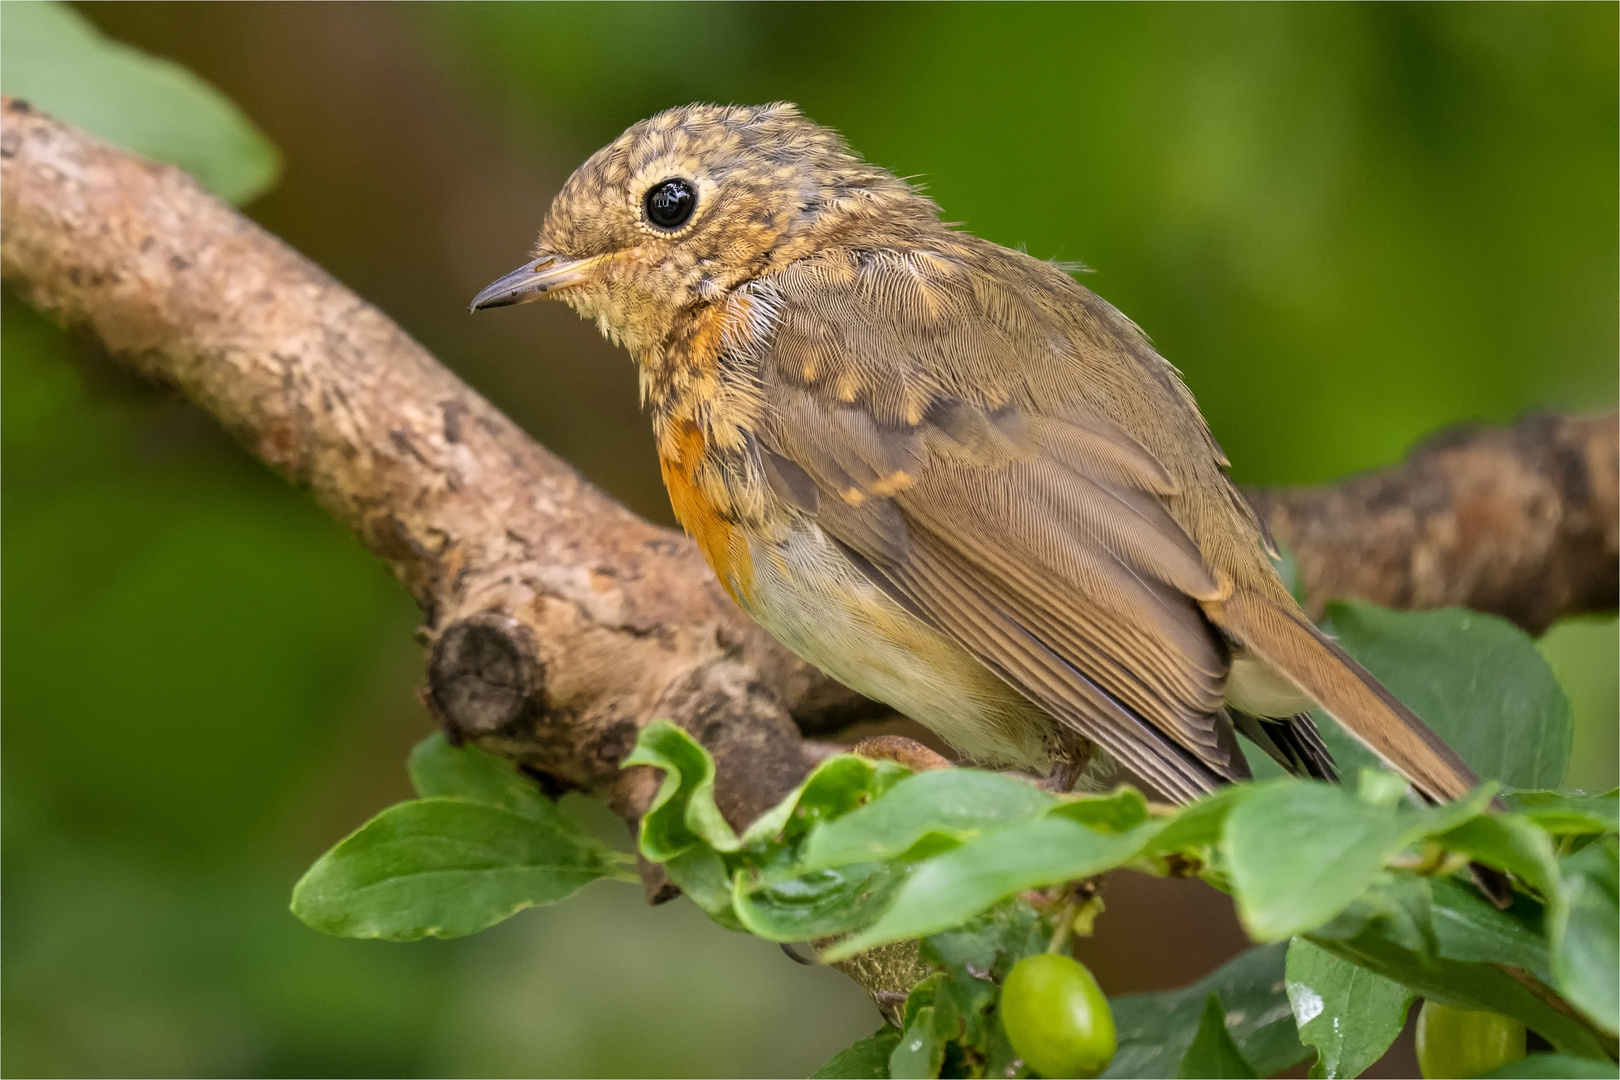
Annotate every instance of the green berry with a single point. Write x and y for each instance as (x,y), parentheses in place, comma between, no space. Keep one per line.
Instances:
(1056,1017)
(1455,1043)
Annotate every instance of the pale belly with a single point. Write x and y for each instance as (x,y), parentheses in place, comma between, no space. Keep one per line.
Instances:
(817,603)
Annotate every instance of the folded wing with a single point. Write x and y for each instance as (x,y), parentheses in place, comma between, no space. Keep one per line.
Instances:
(912,410)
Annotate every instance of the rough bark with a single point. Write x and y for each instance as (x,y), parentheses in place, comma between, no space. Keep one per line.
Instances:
(1523,522)
(556,621)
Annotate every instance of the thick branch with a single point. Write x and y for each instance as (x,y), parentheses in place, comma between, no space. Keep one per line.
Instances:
(1523,522)
(558,622)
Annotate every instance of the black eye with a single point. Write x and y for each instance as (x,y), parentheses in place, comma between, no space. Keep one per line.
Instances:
(670,203)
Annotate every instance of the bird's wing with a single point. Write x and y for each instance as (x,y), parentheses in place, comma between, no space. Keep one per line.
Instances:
(933,421)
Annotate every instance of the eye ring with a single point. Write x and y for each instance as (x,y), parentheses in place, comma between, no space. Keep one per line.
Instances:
(669,204)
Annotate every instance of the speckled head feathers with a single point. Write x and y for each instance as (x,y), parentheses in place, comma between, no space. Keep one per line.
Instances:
(759,171)
(770,186)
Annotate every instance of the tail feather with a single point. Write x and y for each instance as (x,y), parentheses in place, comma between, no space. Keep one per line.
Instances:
(1301,653)
(1292,742)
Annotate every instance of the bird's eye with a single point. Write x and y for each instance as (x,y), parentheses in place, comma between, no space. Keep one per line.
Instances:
(670,203)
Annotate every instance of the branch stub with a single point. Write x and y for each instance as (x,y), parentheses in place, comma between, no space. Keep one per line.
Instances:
(483,673)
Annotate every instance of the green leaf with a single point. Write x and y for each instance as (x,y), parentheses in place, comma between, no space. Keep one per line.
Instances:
(1213,1053)
(53,58)
(957,803)
(1299,852)
(986,947)
(834,788)
(1380,787)
(1202,823)
(1477,680)
(821,903)
(1566,813)
(1390,931)
(703,876)
(1118,811)
(919,1053)
(1002,1060)
(754,882)
(1156,1030)
(444,868)
(951,888)
(1349,1014)
(1585,954)
(441,771)
(866,1060)
(1398,907)
(683,812)
(1508,842)
(1382,942)
(1469,927)
(973,959)
(1551,1067)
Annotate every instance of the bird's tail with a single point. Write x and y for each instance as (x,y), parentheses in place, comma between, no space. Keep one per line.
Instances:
(1298,651)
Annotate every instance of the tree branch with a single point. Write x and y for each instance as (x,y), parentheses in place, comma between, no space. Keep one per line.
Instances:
(557,622)
(1523,522)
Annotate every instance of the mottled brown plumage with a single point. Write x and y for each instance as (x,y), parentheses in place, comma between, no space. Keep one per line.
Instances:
(944,471)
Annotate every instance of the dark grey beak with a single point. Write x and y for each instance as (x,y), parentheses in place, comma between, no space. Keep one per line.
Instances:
(533,280)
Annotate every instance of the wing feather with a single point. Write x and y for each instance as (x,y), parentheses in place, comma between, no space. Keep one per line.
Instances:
(1017,518)
(1120,658)
(953,593)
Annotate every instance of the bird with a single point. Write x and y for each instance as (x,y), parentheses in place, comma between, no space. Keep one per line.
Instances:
(943,471)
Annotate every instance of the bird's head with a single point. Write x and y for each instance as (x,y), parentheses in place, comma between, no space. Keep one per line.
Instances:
(688,205)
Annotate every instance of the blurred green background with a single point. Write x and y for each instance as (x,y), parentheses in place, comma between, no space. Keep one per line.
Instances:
(1349,226)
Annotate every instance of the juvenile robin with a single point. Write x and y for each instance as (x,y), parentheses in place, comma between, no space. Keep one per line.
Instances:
(943,471)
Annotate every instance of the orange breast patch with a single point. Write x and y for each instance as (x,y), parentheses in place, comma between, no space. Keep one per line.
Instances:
(681,458)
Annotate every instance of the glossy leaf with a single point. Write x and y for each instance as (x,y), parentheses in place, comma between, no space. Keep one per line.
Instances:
(1299,853)
(1398,908)
(1201,824)
(986,947)
(1213,1053)
(444,868)
(683,812)
(1349,1014)
(957,803)
(1391,932)
(919,1053)
(834,788)
(1469,927)
(1477,680)
(974,958)
(1511,843)
(53,58)
(1566,813)
(1119,810)
(706,881)
(865,1060)
(1380,787)
(441,771)
(1156,1030)
(1583,932)
(821,903)
(954,886)
(1552,1067)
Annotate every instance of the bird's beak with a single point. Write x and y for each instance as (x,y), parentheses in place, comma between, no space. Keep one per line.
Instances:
(533,280)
